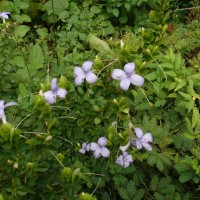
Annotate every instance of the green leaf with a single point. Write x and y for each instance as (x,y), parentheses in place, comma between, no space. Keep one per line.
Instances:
(95,9)
(116,12)
(59,6)
(186,176)
(21,30)
(159,164)
(17,61)
(195,117)
(99,45)
(123,193)
(154,182)
(22,89)
(42,32)
(36,58)
(97,120)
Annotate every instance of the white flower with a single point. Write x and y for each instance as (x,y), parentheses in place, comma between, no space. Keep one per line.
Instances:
(4,15)
(84,73)
(127,76)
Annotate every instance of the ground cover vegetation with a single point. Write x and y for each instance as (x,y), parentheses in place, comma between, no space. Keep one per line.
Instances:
(99,100)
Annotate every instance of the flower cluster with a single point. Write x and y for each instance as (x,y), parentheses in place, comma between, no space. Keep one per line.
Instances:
(126,77)
(98,149)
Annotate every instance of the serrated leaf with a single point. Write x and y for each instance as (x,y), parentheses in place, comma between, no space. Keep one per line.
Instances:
(36,58)
(21,30)
(131,189)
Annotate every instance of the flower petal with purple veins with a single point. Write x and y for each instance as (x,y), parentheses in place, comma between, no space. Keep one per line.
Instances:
(125,83)
(87,65)
(137,80)
(118,74)
(105,152)
(61,93)
(102,141)
(129,68)
(49,97)
(91,77)
(54,86)
(79,80)
(139,133)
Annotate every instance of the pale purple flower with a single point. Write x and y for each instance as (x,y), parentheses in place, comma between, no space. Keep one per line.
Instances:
(100,149)
(51,95)
(85,147)
(2,107)
(84,72)
(124,160)
(143,140)
(4,15)
(127,76)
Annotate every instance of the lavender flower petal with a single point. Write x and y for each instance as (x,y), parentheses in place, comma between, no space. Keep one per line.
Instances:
(102,141)
(79,80)
(54,86)
(146,146)
(139,133)
(49,97)
(87,65)
(125,83)
(61,93)
(105,152)
(118,74)
(91,77)
(78,71)
(129,68)
(137,80)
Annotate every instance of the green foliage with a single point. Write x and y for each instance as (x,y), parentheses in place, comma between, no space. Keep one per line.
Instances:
(40,145)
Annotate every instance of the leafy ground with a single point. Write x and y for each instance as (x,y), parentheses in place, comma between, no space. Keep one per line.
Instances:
(99,100)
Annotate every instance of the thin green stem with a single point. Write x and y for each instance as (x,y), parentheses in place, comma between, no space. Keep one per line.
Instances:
(54,35)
